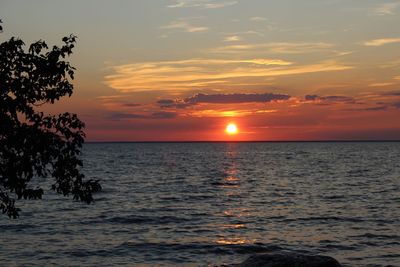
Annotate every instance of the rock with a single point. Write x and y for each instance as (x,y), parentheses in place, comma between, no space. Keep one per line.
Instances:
(285,259)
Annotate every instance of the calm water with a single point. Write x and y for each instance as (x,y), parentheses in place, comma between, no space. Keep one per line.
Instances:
(213,203)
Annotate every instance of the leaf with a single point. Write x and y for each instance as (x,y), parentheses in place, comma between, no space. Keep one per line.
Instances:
(33,144)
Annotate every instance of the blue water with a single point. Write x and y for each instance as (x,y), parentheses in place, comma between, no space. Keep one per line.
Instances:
(201,204)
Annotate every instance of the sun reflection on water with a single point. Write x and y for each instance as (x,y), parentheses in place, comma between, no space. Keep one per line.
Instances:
(234,226)
(232,179)
(232,210)
(233,241)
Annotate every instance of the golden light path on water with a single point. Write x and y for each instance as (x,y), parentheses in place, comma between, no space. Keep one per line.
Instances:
(231,187)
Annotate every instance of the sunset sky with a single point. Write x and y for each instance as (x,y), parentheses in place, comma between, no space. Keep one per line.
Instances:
(183,69)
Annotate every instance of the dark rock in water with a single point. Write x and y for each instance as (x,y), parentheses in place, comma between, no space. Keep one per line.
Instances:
(282,259)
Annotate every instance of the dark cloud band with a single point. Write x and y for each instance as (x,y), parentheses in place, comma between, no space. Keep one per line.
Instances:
(222,99)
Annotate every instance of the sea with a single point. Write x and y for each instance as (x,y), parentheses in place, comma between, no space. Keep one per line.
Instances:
(209,204)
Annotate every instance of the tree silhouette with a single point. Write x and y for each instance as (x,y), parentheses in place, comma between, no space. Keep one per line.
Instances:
(33,144)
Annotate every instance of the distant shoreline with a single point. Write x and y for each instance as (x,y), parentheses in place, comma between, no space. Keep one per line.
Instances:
(269,141)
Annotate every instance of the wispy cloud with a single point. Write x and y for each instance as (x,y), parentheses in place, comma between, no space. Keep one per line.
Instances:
(203,4)
(131,105)
(375,108)
(393,93)
(370,101)
(380,84)
(228,112)
(185,26)
(233,38)
(173,103)
(383,41)
(332,99)
(386,9)
(277,48)
(343,53)
(396,105)
(390,64)
(258,19)
(202,73)
(154,115)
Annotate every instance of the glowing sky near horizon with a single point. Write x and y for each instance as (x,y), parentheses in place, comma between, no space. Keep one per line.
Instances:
(183,69)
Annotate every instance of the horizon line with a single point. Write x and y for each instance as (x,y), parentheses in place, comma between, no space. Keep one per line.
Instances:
(254,141)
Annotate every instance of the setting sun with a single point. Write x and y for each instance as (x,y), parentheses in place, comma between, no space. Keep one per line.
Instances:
(231,128)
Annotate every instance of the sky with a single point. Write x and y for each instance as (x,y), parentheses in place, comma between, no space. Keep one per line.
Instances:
(181,70)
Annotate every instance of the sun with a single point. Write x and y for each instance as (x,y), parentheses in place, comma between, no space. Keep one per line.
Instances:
(231,129)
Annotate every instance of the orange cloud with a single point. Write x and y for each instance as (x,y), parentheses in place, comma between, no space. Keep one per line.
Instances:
(383,41)
(201,73)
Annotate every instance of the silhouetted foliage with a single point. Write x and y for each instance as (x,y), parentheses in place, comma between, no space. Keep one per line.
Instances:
(33,144)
